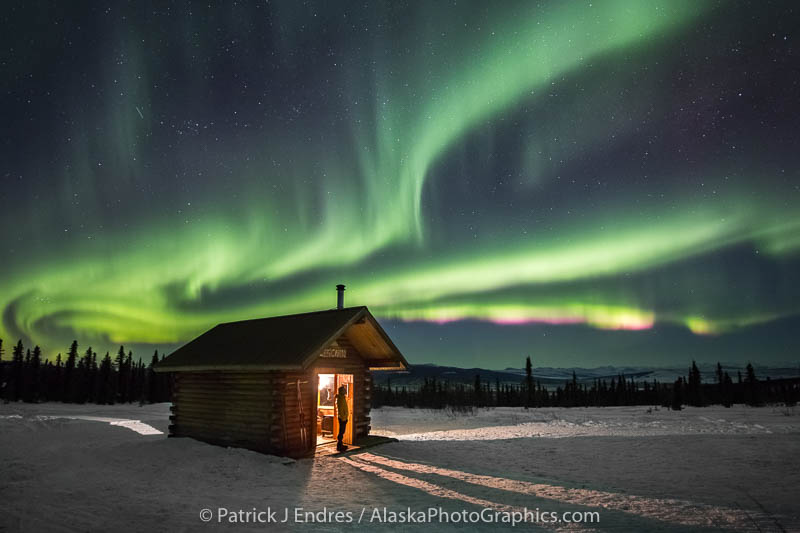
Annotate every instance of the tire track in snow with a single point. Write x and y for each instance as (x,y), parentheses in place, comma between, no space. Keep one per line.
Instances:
(662,509)
(441,492)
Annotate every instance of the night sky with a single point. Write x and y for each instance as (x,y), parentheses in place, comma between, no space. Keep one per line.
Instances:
(587,183)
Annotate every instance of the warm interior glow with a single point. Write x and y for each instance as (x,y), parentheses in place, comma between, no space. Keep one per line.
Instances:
(326,391)
(325,380)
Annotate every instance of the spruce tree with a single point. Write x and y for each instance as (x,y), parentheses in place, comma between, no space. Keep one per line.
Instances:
(152,377)
(694,387)
(140,380)
(91,380)
(122,376)
(677,395)
(107,381)
(720,382)
(46,381)
(17,371)
(95,382)
(165,384)
(26,377)
(83,377)
(3,383)
(752,393)
(129,377)
(727,391)
(574,388)
(35,375)
(69,392)
(528,382)
(57,388)
(79,380)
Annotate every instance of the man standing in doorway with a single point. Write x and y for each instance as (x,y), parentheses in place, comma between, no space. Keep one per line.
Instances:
(343,414)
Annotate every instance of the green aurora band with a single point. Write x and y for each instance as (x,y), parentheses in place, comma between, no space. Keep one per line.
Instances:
(300,207)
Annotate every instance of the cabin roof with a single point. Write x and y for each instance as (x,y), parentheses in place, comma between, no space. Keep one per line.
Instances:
(285,342)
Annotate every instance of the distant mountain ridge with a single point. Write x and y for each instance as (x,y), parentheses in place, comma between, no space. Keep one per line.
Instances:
(550,376)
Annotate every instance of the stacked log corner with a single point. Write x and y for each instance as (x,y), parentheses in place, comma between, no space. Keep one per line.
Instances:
(363,404)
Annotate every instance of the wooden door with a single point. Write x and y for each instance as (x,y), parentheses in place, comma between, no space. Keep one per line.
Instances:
(345,380)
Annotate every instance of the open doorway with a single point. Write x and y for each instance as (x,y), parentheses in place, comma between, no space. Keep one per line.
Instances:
(327,417)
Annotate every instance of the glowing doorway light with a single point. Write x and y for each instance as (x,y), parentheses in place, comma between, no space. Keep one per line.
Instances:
(325,380)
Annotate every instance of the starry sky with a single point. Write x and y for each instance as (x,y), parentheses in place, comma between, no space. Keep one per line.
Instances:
(585,182)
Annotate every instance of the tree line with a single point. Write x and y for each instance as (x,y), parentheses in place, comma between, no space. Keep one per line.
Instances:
(80,378)
(622,390)
(83,379)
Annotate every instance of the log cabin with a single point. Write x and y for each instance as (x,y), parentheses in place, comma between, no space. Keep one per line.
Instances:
(269,384)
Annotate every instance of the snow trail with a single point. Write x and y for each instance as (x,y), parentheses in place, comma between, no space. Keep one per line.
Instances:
(134,425)
(666,510)
(441,492)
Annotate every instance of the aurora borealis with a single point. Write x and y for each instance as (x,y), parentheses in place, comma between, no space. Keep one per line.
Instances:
(589,183)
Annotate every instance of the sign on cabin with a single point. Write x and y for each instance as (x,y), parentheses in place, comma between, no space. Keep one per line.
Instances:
(334,353)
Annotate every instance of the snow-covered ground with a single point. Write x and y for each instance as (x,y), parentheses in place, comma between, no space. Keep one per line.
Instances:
(511,423)
(99,468)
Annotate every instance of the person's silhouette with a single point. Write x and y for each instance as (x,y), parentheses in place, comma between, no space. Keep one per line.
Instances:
(343,414)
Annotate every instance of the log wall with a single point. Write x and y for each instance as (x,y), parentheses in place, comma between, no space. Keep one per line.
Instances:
(260,410)
(255,410)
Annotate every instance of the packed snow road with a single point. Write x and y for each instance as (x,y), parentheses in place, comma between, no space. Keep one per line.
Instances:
(100,468)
